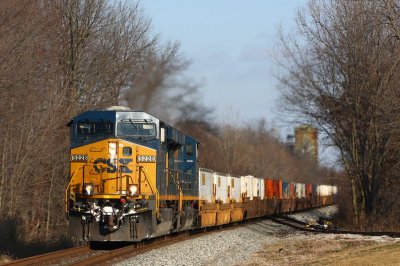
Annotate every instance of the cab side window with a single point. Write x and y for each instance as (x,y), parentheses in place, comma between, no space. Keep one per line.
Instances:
(189,149)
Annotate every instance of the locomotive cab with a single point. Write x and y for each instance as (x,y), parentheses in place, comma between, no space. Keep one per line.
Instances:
(127,173)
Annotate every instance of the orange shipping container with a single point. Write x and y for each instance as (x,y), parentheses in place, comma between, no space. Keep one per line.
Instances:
(278,189)
(309,190)
(268,188)
(273,188)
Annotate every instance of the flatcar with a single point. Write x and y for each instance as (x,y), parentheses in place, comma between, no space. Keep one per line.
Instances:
(135,177)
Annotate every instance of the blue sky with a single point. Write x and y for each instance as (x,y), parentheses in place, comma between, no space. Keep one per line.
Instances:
(229,43)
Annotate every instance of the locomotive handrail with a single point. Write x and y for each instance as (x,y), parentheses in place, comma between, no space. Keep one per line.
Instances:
(66,192)
(179,176)
(175,176)
(178,184)
(153,189)
(176,179)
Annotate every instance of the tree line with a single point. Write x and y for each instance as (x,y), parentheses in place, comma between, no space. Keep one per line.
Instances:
(341,72)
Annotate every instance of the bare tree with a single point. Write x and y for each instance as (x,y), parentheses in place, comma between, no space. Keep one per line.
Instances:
(339,75)
(104,48)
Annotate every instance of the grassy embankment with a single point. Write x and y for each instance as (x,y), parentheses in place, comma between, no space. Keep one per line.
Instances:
(335,251)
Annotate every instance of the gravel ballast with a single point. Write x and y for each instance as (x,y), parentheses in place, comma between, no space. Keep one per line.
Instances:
(228,247)
(239,245)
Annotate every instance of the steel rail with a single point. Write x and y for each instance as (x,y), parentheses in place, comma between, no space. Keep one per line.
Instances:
(299,225)
(40,259)
(142,247)
(139,248)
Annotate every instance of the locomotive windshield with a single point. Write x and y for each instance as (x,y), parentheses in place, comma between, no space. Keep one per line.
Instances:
(88,129)
(133,129)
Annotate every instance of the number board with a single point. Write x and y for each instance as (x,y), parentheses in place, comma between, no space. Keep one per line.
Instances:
(146,159)
(79,157)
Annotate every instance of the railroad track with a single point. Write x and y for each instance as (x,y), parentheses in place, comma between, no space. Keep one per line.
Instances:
(302,226)
(291,223)
(131,250)
(84,255)
(47,257)
(142,247)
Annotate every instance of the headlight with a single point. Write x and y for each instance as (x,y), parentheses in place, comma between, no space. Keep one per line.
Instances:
(133,189)
(89,189)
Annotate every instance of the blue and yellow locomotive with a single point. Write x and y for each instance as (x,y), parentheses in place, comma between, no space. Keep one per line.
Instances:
(132,177)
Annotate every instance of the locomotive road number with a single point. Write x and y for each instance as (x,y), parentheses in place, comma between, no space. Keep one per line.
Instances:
(146,159)
(79,158)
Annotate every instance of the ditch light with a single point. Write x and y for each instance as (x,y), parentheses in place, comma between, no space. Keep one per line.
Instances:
(89,189)
(133,189)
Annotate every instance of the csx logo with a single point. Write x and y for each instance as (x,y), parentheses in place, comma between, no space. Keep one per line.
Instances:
(110,166)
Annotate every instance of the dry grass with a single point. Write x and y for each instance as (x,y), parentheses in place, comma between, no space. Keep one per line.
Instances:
(335,251)
(384,254)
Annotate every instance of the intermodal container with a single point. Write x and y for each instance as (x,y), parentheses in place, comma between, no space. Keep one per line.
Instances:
(309,190)
(260,188)
(277,188)
(300,193)
(286,190)
(221,185)
(254,187)
(234,185)
(206,185)
(268,188)
(246,186)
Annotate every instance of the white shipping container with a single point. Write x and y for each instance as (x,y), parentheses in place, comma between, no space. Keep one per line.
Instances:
(254,186)
(221,185)
(234,182)
(299,190)
(261,188)
(206,183)
(332,190)
(246,187)
(324,190)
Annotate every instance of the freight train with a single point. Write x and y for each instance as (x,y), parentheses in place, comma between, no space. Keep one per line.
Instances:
(135,177)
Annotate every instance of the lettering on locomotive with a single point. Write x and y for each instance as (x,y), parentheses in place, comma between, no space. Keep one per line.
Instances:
(110,166)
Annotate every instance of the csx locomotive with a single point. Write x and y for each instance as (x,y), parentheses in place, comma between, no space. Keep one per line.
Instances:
(133,177)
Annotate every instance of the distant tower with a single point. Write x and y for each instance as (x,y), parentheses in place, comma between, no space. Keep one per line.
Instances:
(290,142)
(306,140)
